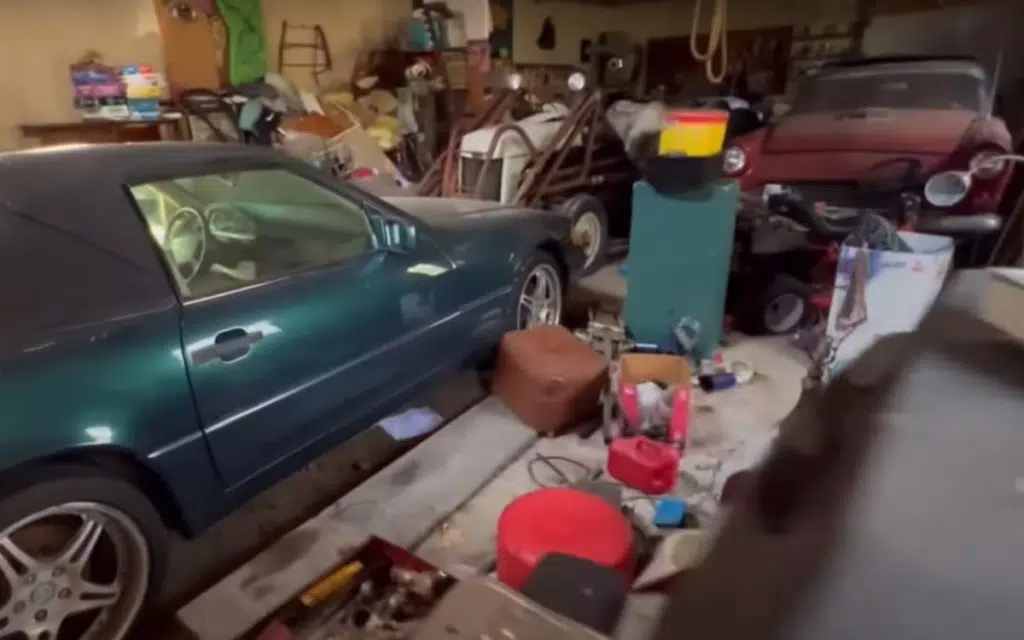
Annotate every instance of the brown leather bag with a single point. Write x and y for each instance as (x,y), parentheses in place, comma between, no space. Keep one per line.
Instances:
(549,378)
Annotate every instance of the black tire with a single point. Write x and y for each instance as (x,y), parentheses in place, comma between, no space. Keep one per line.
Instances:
(38,489)
(584,204)
(759,298)
(545,258)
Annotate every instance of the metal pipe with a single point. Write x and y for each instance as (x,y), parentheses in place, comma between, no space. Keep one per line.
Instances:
(437,179)
(508,127)
(559,148)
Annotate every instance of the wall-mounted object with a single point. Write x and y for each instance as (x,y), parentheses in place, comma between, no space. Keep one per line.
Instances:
(192,51)
(246,50)
(547,39)
(502,32)
(585,46)
(308,37)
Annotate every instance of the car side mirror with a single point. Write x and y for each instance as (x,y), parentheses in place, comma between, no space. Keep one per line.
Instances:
(399,236)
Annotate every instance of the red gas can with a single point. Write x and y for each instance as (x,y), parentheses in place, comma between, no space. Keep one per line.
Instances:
(643,464)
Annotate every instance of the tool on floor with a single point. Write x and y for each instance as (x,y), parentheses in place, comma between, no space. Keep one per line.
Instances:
(607,338)
(719,381)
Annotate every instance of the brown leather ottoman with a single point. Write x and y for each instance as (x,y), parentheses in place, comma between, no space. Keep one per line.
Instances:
(549,378)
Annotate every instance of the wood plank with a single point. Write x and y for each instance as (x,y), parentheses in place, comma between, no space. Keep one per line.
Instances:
(193,51)
(402,503)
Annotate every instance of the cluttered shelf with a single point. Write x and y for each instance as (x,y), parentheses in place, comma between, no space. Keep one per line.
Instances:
(167,127)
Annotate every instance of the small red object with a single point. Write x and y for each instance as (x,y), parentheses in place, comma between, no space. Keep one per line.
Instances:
(629,401)
(361,173)
(643,464)
(679,420)
(275,631)
(566,521)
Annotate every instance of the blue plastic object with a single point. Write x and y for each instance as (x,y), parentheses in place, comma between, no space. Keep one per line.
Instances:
(412,423)
(669,513)
(717,381)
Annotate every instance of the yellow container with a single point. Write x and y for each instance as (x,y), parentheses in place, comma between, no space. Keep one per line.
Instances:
(694,133)
(330,584)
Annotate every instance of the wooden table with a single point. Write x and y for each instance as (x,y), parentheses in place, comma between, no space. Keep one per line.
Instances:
(99,131)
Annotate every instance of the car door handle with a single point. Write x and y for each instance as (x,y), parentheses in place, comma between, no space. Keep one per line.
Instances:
(228,345)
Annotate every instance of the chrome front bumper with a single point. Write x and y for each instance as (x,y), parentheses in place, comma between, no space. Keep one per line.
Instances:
(976,224)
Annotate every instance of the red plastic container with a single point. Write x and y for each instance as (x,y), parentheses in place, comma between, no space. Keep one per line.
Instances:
(565,521)
(643,464)
(679,423)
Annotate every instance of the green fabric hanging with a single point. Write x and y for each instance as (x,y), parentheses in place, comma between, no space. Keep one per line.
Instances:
(247,50)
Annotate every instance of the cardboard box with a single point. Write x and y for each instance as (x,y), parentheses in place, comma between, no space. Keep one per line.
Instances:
(671,371)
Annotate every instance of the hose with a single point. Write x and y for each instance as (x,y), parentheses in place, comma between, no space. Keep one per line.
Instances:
(717,40)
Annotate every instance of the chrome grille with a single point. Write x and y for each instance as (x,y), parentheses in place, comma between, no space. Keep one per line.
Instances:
(848,195)
(470,167)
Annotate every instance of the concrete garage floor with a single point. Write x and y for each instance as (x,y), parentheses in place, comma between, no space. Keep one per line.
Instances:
(445,505)
(197,564)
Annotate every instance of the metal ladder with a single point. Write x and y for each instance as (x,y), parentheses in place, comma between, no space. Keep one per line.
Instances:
(315,40)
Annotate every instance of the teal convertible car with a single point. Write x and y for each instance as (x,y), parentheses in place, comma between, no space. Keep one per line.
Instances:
(185,325)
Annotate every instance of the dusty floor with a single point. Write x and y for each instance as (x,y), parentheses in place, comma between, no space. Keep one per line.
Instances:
(197,564)
(248,532)
(731,430)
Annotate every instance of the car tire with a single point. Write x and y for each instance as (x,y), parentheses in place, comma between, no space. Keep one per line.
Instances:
(588,218)
(41,505)
(541,264)
(781,291)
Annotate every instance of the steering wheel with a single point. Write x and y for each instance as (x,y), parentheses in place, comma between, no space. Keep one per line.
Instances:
(185,242)
(227,224)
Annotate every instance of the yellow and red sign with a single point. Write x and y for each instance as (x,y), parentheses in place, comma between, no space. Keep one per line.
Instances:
(694,133)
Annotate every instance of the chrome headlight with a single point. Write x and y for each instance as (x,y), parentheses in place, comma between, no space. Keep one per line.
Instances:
(515,81)
(734,160)
(577,81)
(948,188)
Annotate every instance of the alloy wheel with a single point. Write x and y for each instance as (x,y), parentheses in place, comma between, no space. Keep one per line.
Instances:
(76,571)
(540,301)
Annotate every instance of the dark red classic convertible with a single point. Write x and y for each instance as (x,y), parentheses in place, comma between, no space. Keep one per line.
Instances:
(860,124)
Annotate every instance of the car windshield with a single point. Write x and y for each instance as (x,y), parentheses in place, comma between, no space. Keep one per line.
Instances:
(876,89)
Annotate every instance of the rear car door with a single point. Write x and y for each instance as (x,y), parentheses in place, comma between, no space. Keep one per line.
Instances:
(293,324)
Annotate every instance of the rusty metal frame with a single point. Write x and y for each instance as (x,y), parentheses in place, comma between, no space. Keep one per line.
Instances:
(442,177)
(544,178)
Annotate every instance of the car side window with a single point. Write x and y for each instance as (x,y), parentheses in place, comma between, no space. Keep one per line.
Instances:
(225,231)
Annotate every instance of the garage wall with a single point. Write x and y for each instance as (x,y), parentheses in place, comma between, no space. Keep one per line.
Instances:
(41,37)
(574,22)
(972,31)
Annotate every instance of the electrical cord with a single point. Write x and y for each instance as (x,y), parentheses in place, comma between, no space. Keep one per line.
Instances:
(563,478)
(583,472)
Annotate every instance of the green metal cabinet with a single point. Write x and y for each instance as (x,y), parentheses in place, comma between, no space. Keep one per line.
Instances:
(680,249)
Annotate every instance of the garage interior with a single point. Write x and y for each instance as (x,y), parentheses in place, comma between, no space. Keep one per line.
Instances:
(705,222)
